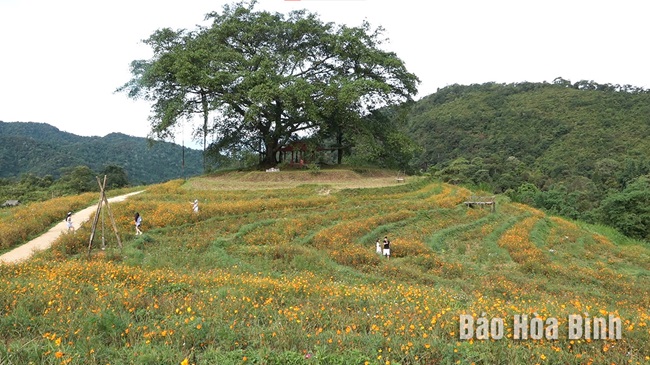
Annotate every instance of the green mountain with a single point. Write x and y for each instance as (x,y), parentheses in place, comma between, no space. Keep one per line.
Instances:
(557,129)
(41,149)
(567,148)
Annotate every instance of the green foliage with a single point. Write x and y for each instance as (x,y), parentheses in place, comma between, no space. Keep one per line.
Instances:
(314,169)
(28,188)
(115,177)
(40,150)
(78,180)
(629,210)
(380,140)
(563,147)
(268,76)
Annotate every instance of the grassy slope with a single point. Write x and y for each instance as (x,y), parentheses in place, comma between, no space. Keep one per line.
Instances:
(288,274)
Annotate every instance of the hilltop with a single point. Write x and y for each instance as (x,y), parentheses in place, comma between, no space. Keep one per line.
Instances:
(279,275)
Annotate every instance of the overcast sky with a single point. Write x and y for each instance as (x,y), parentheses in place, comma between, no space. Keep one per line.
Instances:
(61,60)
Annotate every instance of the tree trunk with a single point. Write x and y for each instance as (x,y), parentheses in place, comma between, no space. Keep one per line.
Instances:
(271,149)
(339,142)
(204,104)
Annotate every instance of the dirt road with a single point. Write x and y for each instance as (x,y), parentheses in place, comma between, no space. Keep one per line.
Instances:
(45,240)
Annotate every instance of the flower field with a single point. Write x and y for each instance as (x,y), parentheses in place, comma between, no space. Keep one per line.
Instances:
(290,276)
(24,222)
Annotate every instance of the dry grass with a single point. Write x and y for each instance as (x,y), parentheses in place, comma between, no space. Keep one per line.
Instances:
(333,180)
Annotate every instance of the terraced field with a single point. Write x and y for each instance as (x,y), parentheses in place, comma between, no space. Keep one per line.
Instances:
(286,273)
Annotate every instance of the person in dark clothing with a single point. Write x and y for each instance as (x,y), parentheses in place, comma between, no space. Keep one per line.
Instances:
(386,250)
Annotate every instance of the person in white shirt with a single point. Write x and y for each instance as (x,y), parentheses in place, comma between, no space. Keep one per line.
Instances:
(138,223)
(68,220)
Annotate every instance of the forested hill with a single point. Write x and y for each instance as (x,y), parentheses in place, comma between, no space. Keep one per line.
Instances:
(42,149)
(569,148)
(557,129)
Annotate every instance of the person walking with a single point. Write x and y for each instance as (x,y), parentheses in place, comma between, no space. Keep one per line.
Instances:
(138,223)
(378,247)
(68,221)
(386,250)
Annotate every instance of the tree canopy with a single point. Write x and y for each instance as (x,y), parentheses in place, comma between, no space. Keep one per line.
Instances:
(268,77)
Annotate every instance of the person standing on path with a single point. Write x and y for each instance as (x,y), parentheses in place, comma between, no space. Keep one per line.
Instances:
(138,223)
(68,221)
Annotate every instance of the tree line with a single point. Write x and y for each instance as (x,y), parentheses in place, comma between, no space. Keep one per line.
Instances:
(41,149)
(74,180)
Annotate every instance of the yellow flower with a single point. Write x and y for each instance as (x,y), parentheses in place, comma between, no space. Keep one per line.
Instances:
(58,354)
(185,361)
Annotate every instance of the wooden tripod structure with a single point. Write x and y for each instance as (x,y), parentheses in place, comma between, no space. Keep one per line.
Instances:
(102,201)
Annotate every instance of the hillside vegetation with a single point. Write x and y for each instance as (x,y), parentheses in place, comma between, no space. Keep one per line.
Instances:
(577,150)
(289,275)
(41,149)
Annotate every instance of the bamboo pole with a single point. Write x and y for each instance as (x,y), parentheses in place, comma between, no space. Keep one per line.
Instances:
(103,200)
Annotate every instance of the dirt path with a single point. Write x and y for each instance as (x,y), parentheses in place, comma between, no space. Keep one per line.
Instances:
(45,240)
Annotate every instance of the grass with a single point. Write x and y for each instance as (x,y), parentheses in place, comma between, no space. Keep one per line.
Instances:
(325,182)
(282,273)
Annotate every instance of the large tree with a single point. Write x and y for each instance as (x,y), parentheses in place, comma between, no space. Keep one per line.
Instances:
(268,77)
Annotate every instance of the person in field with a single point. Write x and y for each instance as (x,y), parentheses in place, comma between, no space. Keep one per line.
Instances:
(138,223)
(386,249)
(378,247)
(195,206)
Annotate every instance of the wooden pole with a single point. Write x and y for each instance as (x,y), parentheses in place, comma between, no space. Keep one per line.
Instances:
(102,200)
(103,230)
(110,215)
(99,209)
